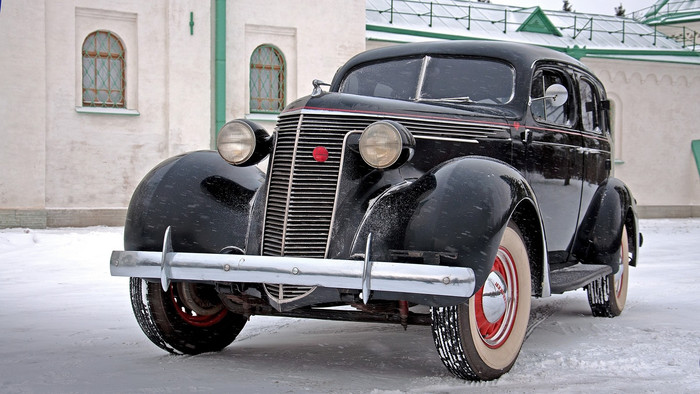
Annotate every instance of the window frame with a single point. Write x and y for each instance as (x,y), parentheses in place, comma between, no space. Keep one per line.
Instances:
(109,57)
(571,105)
(597,110)
(276,98)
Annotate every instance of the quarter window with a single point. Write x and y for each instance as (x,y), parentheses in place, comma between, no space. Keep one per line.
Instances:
(103,70)
(543,107)
(590,107)
(267,80)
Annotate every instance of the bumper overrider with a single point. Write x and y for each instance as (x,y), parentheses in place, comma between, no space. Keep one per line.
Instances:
(366,276)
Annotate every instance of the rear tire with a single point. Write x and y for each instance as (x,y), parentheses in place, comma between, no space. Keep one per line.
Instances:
(481,339)
(607,296)
(187,319)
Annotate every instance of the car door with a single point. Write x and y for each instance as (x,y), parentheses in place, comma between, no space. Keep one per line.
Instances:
(553,156)
(595,144)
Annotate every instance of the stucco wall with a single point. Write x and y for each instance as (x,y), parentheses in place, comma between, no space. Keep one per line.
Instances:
(63,166)
(103,156)
(316,37)
(655,106)
(190,76)
(22,105)
(61,159)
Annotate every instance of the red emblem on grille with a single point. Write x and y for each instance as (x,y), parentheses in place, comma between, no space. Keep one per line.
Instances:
(320,154)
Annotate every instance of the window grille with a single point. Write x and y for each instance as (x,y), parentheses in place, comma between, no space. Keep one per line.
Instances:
(267,80)
(103,71)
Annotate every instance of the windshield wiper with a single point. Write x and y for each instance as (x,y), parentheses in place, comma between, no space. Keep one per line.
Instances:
(457,100)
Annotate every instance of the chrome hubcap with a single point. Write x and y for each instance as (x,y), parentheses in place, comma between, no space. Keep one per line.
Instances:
(497,301)
(495,297)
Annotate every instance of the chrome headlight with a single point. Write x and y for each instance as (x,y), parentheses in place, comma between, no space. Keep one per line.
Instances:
(385,144)
(241,142)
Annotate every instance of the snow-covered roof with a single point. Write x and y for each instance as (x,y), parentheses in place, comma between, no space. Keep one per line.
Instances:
(670,12)
(575,33)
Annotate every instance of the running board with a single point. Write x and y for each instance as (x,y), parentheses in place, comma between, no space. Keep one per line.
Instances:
(576,276)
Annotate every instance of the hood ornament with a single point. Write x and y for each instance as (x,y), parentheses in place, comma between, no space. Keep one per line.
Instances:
(317,87)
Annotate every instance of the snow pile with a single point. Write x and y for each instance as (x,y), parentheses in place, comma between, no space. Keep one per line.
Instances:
(67,326)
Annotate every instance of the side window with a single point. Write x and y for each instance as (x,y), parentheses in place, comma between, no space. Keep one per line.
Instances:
(590,107)
(551,101)
(103,70)
(267,80)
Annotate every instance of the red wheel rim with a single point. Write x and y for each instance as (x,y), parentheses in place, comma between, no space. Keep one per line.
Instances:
(190,317)
(495,334)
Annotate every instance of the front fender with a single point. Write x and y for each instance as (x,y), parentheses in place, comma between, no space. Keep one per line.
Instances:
(461,208)
(598,237)
(204,199)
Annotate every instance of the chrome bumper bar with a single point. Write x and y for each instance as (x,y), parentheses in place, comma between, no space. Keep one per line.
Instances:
(364,275)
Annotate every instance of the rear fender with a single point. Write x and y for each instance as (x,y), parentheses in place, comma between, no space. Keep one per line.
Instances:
(204,199)
(598,238)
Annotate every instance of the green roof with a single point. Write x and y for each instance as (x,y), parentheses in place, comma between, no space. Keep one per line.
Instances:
(577,34)
(538,22)
(667,12)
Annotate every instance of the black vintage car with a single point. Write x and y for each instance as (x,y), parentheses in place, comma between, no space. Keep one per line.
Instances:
(435,183)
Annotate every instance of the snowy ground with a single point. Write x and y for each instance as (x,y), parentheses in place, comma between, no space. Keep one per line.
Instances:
(67,326)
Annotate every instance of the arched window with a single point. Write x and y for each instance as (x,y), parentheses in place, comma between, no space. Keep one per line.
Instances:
(103,70)
(267,80)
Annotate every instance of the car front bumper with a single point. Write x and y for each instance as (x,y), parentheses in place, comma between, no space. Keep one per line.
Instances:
(366,276)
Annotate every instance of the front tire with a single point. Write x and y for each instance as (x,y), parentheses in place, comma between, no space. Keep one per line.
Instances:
(187,319)
(607,296)
(481,339)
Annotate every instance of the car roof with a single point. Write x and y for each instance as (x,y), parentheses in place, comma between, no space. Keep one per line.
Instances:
(522,56)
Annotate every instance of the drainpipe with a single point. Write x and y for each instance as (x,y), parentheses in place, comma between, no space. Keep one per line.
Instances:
(695,146)
(220,67)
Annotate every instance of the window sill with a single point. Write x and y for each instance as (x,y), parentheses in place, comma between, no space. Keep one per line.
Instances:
(107,111)
(262,117)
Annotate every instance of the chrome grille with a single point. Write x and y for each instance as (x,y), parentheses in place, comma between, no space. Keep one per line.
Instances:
(302,191)
(456,130)
(302,194)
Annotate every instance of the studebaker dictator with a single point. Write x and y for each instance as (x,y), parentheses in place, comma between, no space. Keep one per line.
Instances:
(441,183)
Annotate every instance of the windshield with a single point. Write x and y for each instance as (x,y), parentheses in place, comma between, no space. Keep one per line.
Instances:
(434,79)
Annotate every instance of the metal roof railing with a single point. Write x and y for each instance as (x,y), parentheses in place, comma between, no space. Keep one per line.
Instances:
(687,37)
(486,20)
(667,9)
(668,13)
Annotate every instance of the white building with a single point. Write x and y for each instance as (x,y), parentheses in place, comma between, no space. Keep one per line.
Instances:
(76,143)
(96,92)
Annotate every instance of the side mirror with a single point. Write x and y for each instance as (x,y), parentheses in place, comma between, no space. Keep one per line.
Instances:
(557,95)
